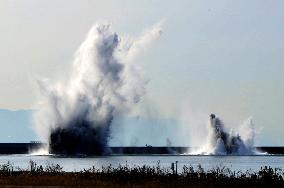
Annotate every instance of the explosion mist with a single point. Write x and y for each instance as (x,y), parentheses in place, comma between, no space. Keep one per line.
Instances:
(221,142)
(75,116)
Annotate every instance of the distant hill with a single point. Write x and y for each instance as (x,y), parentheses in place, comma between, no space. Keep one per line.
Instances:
(16,126)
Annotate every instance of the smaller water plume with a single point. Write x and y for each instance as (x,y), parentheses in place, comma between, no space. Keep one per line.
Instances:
(222,142)
(40,151)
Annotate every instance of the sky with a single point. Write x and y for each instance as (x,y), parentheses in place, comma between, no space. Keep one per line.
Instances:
(222,56)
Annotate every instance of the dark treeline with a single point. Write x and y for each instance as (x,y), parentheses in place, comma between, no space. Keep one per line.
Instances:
(137,176)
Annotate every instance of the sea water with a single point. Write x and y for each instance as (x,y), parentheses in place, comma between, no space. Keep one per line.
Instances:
(236,163)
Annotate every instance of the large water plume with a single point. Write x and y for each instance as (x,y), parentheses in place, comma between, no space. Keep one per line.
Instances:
(75,115)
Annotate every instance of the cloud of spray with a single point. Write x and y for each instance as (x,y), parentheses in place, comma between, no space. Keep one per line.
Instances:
(193,126)
(223,142)
(214,137)
(75,115)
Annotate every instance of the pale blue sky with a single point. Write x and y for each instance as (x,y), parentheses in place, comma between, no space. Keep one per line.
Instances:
(214,56)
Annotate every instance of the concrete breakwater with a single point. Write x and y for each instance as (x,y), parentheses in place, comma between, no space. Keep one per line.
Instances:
(25,148)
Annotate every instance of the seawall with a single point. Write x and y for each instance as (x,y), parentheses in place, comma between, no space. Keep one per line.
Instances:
(25,148)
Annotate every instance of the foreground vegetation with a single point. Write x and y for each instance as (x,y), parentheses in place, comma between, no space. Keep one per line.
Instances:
(145,176)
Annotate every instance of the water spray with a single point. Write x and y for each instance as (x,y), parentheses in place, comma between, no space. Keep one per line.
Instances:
(221,142)
(75,115)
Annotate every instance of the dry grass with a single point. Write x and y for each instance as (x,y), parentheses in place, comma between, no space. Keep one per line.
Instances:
(138,177)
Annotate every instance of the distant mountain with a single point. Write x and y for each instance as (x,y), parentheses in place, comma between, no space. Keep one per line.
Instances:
(142,131)
(16,126)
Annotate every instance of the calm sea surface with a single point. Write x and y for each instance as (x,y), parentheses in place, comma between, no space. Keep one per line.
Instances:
(242,163)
